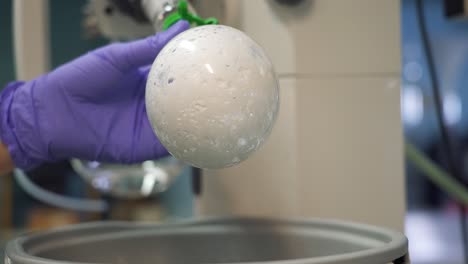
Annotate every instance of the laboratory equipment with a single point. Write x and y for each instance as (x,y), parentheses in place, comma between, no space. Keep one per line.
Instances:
(336,150)
(135,181)
(339,128)
(234,240)
(130,181)
(212,96)
(124,20)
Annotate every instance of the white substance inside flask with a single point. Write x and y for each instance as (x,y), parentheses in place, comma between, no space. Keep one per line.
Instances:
(212,96)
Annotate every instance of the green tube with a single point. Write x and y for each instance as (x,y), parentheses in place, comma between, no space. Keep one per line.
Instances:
(436,174)
(183,13)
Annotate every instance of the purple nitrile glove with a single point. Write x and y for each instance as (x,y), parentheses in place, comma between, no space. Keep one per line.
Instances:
(91,108)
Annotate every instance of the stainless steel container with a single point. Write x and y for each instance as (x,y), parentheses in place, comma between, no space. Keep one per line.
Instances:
(235,240)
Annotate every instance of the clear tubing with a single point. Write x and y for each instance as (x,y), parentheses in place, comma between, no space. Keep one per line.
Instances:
(85,205)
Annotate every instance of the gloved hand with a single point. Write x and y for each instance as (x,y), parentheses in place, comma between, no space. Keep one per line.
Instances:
(91,108)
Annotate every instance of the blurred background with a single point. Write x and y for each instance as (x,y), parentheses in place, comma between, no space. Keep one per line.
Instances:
(432,219)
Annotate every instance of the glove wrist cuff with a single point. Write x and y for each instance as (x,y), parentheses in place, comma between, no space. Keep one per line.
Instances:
(7,129)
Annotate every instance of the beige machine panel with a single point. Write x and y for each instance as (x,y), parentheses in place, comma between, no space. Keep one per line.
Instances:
(336,150)
(349,161)
(323,36)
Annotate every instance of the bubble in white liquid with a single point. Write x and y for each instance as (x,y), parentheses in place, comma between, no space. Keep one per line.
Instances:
(212,90)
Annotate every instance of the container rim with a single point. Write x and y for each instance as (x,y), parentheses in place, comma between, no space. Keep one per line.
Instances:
(394,244)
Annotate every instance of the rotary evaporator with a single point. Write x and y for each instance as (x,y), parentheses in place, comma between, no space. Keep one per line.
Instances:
(331,87)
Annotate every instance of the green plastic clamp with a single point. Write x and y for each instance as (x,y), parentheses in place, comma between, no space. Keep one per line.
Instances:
(183,13)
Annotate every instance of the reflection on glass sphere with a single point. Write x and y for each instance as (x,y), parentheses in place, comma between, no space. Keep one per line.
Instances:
(130,181)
